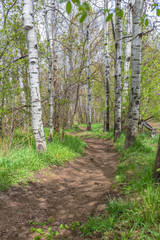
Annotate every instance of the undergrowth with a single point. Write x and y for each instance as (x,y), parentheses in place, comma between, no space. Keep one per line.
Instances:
(22,160)
(136,215)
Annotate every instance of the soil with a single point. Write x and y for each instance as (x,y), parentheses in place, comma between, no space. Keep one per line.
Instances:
(66,194)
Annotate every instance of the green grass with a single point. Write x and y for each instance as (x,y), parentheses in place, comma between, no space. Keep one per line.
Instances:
(73,129)
(137,214)
(22,160)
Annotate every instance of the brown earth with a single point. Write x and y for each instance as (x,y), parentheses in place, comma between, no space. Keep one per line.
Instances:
(66,194)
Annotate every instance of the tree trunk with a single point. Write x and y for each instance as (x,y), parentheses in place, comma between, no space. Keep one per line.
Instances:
(118,63)
(127,61)
(127,52)
(55,69)
(22,99)
(134,105)
(106,58)
(88,79)
(49,74)
(36,109)
(157,164)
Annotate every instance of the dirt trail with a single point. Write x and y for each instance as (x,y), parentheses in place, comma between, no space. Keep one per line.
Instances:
(66,194)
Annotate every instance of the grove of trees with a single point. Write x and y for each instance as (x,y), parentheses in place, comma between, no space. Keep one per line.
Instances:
(90,62)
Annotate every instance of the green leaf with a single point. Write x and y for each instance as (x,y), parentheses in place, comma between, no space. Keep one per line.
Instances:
(32,230)
(158,12)
(109,17)
(39,230)
(68,7)
(51,220)
(154,6)
(86,6)
(146,22)
(37,238)
(66,226)
(83,17)
(119,12)
(61,226)
(76,1)
(31,222)
(56,233)
(49,229)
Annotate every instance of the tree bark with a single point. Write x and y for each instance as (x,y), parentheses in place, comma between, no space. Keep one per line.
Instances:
(106,58)
(134,105)
(36,108)
(49,74)
(88,79)
(157,164)
(127,61)
(118,63)
(55,68)
(127,51)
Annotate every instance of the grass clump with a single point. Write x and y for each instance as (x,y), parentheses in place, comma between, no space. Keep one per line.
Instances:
(137,214)
(21,161)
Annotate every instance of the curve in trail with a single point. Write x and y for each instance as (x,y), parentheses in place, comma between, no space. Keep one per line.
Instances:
(66,194)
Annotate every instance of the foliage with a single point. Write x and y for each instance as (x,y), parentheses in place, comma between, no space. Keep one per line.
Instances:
(47,230)
(150,79)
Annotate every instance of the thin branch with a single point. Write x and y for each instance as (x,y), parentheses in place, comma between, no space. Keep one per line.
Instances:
(13,62)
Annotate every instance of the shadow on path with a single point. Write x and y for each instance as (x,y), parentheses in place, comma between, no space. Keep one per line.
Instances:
(66,194)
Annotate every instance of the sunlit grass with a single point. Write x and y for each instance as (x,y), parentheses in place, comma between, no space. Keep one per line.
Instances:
(136,215)
(22,160)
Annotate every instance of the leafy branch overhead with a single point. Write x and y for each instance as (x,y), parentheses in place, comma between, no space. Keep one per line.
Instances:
(83,8)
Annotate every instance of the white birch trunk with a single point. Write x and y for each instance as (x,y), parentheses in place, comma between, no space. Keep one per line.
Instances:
(88,79)
(127,51)
(134,106)
(36,109)
(106,59)
(49,74)
(118,63)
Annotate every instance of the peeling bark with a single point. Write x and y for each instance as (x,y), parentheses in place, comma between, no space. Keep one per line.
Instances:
(127,51)
(49,74)
(36,109)
(134,105)
(118,63)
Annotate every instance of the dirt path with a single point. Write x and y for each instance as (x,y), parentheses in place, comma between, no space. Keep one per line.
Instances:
(66,194)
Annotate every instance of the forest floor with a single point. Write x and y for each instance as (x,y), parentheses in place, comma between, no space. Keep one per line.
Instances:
(61,195)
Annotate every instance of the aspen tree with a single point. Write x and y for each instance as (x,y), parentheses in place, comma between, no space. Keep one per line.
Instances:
(36,109)
(106,58)
(134,105)
(55,66)
(127,51)
(88,77)
(118,63)
(49,73)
